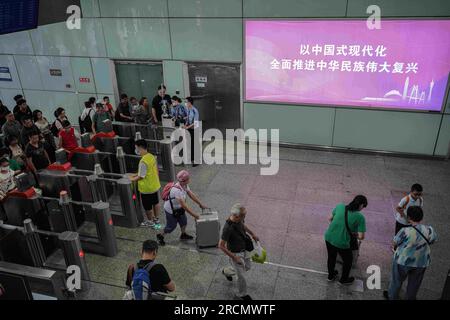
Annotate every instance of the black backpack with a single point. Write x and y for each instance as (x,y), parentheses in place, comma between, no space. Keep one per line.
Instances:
(54,130)
(86,124)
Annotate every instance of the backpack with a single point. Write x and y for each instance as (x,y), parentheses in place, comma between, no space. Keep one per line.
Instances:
(407,201)
(141,288)
(86,124)
(54,130)
(166,190)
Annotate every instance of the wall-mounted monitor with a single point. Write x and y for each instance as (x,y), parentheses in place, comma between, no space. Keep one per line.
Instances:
(403,65)
(18,15)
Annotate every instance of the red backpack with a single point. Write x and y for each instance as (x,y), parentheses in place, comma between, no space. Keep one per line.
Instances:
(166,190)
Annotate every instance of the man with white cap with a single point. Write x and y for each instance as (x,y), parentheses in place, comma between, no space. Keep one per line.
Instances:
(175,207)
(236,244)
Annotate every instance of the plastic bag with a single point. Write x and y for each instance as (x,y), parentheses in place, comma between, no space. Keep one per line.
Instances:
(259,254)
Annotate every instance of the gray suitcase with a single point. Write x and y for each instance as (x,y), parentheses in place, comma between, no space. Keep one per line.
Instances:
(208,229)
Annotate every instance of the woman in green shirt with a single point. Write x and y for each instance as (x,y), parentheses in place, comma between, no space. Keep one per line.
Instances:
(338,238)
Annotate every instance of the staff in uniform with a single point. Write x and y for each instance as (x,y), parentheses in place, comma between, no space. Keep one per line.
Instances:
(191,124)
(148,185)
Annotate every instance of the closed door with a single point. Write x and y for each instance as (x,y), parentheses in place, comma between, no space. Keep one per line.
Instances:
(139,80)
(216,91)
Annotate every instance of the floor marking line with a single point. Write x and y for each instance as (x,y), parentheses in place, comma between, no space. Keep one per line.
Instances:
(219,254)
(295,268)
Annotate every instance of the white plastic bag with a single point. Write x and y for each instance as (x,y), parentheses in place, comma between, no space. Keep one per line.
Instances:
(259,254)
(258,249)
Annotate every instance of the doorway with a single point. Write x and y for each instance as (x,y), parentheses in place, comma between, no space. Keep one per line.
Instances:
(139,79)
(216,92)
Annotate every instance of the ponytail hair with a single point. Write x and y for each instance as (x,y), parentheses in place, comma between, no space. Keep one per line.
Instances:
(356,203)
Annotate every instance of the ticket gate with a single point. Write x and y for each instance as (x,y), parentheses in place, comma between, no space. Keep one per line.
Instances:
(23,245)
(102,241)
(92,186)
(110,142)
(36,281)
(61,214)
(148,131)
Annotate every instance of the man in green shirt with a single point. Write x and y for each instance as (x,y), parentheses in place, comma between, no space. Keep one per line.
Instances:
(100,115)
(338,238)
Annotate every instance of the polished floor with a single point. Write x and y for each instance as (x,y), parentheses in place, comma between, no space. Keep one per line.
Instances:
(289,213)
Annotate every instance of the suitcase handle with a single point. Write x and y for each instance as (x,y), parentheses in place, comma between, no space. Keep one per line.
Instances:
(207,213)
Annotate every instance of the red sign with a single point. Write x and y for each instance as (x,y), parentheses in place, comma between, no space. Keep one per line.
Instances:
(85,80)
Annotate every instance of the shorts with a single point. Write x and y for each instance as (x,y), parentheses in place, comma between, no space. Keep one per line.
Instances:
(149,200)
(172,221)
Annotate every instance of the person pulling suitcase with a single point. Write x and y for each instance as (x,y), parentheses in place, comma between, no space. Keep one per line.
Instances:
(237,245)
(175,206)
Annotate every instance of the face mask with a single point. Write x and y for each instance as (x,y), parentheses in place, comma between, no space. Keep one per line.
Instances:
(136,150)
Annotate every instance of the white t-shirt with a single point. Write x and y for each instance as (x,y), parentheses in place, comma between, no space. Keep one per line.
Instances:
(411,202)
(6,182)
(87,111)
(179,192)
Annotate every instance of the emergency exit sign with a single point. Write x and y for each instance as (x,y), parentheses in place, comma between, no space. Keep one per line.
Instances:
(85,80)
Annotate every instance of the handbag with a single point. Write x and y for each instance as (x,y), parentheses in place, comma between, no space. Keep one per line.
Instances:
(354,245)
(248,241)
(176,212)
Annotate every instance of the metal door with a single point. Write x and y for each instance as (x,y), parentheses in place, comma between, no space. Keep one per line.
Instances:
(216,92)
(139,79)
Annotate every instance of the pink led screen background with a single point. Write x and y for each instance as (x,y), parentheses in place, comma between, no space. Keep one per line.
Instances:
(403,65)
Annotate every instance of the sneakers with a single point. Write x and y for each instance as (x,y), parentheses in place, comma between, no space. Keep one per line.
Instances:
(347,282)
(229,278)
(333,276)
(147,224)
(245,298)
(185,236)
(156,224)
(160,238)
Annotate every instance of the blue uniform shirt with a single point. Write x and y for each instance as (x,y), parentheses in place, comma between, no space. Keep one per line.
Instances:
(179,111)
(192,115)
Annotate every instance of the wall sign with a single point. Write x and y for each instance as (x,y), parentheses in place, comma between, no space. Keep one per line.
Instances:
(85,80)
(56,72)
(203,79)
(5,74)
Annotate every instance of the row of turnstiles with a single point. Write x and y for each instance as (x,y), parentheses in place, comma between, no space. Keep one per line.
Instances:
(79,200)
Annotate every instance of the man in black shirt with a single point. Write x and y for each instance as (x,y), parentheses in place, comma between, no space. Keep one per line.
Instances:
(37,157)
(16,99)
(27,127)
(233,244)
(159,277)
(123,112)
(157,104)
(22,110)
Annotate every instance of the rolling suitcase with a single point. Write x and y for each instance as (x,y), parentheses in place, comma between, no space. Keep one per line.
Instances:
(208,229)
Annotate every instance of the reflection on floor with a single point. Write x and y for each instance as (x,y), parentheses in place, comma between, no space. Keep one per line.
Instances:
(289,213)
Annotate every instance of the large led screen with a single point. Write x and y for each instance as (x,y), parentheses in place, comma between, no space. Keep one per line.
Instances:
(403,65)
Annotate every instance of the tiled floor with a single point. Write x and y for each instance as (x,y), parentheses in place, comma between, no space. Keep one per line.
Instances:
(289,213)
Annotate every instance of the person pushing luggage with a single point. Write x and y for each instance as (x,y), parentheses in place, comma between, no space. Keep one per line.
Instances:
(175,207)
